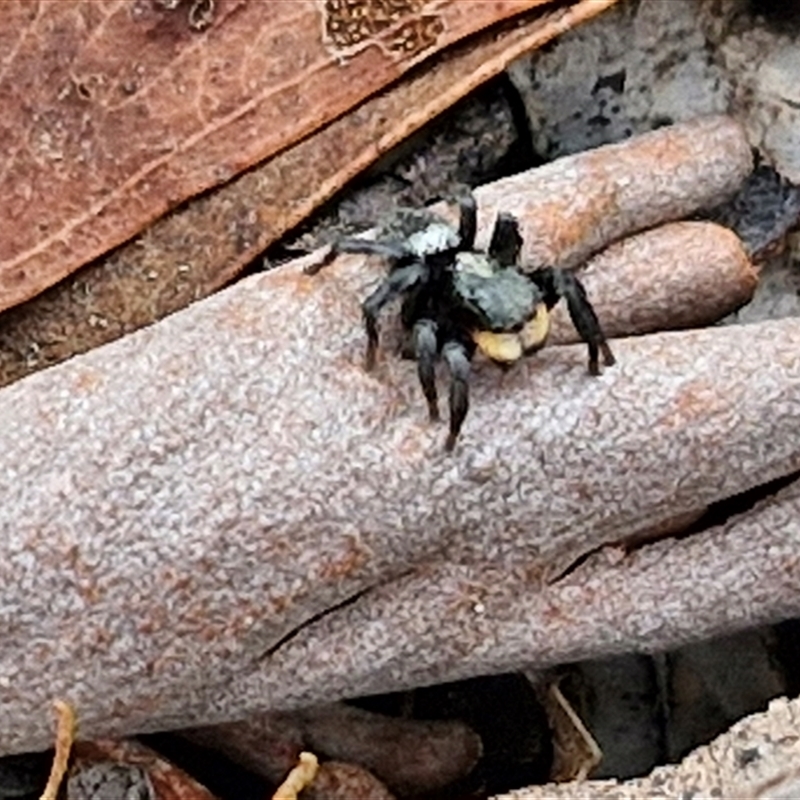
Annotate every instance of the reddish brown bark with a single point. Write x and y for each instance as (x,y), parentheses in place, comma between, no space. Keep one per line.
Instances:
(681,275)
(410,756)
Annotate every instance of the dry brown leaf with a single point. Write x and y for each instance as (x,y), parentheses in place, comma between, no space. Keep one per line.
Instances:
(116,111)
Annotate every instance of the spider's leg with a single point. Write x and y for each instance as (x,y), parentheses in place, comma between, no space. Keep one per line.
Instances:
(399,281)
(457,357)
(468,222)
(425,350)
(391,251)
(558,282)
(506,240)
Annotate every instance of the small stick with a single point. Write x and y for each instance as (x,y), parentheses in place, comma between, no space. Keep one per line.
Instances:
(298,778)
(65,736)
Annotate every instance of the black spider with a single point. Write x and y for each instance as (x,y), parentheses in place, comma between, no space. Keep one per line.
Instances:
(457,299)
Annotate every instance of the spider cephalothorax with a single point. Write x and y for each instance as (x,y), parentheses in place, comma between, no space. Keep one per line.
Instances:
(457,299)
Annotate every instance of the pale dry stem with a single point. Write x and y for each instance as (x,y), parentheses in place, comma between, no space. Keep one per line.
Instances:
(299,778)
(65,736)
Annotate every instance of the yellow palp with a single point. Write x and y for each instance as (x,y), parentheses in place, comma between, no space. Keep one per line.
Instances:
(503,347)
(534,335)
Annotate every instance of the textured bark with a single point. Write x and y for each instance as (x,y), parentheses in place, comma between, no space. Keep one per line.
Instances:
(681,275)
(459,620)
(757,759)
(192,109)
(578,204)
(409,756)
(178,502)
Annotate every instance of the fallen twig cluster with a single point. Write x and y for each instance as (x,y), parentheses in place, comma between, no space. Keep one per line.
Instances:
(224,514)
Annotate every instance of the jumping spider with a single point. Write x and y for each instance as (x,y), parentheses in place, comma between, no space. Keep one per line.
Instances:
(457,299)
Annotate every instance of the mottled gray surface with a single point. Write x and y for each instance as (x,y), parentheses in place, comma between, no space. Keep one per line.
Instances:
(762,211)
(110,781)
(631,69)
(647,63)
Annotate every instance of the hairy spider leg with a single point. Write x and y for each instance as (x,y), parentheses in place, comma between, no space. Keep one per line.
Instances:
(457,357)
(468,222)
(425,352)
(557,283)
(506,242)
(393,252)
(399,281)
